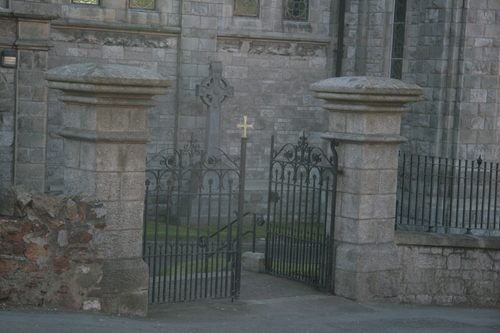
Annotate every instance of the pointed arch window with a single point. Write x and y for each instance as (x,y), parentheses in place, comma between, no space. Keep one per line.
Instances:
(398,39)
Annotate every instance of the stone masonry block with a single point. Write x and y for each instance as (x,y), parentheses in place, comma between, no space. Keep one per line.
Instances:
(72,153)
(124,215)
(370,231)
(30,171)
(367,258)
(87,156)
(126,243)
(365,286)
(34,30)
(31,140)
(108,188)
(79,180)
(132,186)
(120,157)
(373,124)
(253,262)
(364,206)
(125,275)
(124,119)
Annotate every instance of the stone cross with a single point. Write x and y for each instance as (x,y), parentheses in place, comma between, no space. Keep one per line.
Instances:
(214,91)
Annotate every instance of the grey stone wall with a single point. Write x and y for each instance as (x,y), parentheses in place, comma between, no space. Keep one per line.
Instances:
(270,63)
(452,52)
(367,37)
(148,49)
(443,269)
(7,106)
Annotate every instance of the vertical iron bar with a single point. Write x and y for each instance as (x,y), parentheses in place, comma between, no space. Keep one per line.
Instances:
(243,160)
(155,239)
(297,239)
(436,220)
(145,219)
(483,196)
(445,195)
(452,192)
(458,191)
(229,256)
(465,194)
(168,200)
(410,189)
(432,191)
(208,289)
(416,190)
(477,191)
(489,196)
(402,191)
(270,236)
(471,197)
(496,198)
(423,190)
(198,279)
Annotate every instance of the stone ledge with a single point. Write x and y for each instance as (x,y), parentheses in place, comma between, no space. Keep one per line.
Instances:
(27,15)
(273,36)
(33,44)
(115,27)
(93,136)
(7,42)
(446,240)
(364,138)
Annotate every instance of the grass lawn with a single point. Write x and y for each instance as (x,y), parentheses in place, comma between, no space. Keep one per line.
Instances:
(184,232)
(195,267)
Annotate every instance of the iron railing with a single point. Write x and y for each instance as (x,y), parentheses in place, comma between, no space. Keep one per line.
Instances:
(448,195)
(301,213)
(190,197)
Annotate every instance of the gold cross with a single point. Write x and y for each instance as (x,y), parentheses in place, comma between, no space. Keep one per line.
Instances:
(244,126)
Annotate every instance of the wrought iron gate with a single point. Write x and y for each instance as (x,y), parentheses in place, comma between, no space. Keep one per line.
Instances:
(191,230)
(301,213)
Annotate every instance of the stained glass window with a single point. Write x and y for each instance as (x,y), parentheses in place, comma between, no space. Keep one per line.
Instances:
(142,4)
(247,8)
(398,39)
(85,2)
(297,10)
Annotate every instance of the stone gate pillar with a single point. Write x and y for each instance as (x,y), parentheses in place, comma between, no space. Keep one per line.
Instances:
(364,115)
(105,136)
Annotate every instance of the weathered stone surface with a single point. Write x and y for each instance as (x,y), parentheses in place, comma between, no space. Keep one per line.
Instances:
(445,269)
(45,205)
(366,259)
(61,264)
(6,266)
(33,252)
(38,265)
(80,238)
(253,262)
(7,202)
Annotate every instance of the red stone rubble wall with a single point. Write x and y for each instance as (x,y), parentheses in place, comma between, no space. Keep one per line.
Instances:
(51,250)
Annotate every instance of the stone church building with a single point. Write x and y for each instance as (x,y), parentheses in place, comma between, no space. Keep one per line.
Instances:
(271,52)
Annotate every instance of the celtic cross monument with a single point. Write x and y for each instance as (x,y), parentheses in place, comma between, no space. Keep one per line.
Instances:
(214,91)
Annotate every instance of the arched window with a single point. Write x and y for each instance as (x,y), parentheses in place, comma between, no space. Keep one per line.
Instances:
(297,10)
(398,39)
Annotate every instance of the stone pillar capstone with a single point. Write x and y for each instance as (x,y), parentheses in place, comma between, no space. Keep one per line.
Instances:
(364,115)
(105,135)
